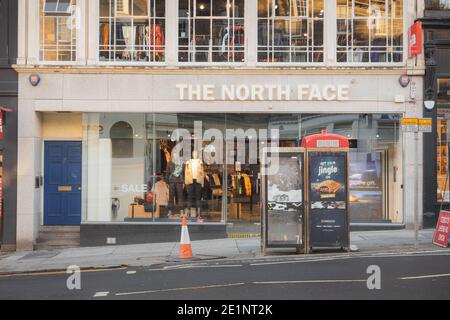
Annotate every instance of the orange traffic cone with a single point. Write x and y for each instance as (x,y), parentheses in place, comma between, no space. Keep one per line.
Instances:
(185,244)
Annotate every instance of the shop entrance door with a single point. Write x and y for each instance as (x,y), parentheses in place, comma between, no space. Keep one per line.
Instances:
(62,183)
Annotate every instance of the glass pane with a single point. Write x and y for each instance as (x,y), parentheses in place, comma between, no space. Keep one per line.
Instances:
(285,202)
(264,8)
(366,186)
(160,8)
(219,7)
(343,9)
(300,8)
(105,8)
(361,8)
(239,7)
(378,9)
(360,32)
(282,8)
(444,90)
(203,8)
(442,153)
(318,8)
(140,7)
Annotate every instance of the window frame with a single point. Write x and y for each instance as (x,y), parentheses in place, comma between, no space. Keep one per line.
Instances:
(103,63)
(211,18)
(325,45)
(40,57)
(374,64)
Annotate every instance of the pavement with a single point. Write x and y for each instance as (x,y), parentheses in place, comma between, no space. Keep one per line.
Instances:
(222,249)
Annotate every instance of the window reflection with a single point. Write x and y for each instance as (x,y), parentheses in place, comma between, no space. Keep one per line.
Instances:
(370,31)
(132,30)
(133,173)
(211,31)
(290,30)
(58,30)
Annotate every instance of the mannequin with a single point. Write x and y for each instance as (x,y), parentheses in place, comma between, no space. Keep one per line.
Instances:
(174,176)
(194,178)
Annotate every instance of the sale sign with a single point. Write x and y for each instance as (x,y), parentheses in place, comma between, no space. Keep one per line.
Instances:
(441,234)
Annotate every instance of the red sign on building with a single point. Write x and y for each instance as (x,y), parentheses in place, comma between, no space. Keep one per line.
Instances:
(415,39)
(441,234)
(325,140)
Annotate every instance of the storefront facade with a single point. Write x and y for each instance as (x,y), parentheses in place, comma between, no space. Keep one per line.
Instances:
(8,142)
(436,23)
(108,115)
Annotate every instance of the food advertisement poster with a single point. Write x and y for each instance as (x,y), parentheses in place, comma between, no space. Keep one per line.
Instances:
(328,226)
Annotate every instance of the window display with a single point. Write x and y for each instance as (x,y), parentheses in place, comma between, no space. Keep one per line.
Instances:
(135,171)
(366,183)
(58,30)
(442,149)
(290,30)
(211,31)
(132,30)
(370,31)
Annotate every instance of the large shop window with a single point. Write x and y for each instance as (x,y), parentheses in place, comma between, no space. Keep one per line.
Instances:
(370,31)
(443,141)
(132,30)
(290,31)
(211,31)
(132,173)
(58,30)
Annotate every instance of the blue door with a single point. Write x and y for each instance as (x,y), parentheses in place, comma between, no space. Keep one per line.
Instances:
(62,183)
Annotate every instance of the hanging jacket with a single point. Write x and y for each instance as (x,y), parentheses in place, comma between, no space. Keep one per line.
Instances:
(194,170)
(155,38)
(247,185)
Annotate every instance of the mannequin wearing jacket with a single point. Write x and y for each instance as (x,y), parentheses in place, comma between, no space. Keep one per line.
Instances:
(194,179)
(175,178)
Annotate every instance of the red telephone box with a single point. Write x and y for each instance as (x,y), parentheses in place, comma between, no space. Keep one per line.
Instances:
(327,191)
(305,196)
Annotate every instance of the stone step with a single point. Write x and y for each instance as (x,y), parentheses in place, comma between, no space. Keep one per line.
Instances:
(57,237)
(59,228)
(43,246)
(60,242)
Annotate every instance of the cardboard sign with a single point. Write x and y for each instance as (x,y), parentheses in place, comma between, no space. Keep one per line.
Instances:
(441,234)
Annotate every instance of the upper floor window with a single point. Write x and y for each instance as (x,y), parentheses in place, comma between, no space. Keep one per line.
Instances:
(290,30)
(370,31)
(211,31)
(132,30)
(58,30)
(437,4)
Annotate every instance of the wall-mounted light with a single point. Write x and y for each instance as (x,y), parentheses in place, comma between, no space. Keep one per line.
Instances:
(34,79)
(429,104)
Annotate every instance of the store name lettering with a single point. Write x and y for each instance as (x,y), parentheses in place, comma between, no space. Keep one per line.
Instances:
(268,92)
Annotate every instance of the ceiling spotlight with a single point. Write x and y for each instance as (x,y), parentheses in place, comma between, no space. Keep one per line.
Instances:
(202,7)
